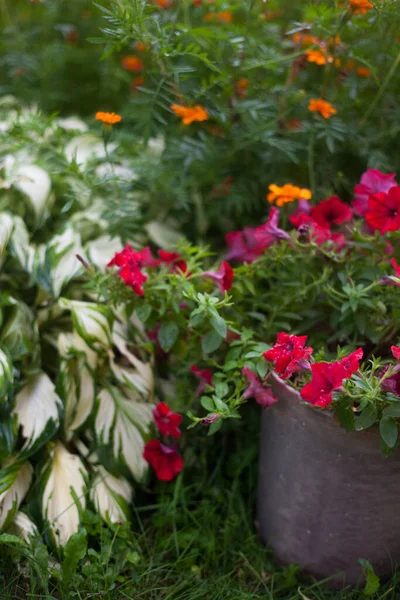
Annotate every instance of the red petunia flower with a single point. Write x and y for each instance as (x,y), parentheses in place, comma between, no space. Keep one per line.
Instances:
(223,277)
(396,267)
(326,377)
(166,420)
(289,354)
(205,377)
(243,245)
(262,395)
(130,262)
(269,232)
(166,461)
(331,211)
(174,259)
(372,181)
(396,351)
(351,363)
(383,211)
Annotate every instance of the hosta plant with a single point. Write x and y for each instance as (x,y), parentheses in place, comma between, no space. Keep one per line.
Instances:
(76,375)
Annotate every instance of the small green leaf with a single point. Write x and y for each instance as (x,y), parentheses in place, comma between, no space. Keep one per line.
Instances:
(372,580)
(74,551)
(221,389)
(345,415)
(367,417)
(219,325)
(8,538)
(230,365)
(144,312)
(221,406)
(262,367)
(214,427)
(207,403)
(211,341)
(392,411)
(167,335)
(388,430)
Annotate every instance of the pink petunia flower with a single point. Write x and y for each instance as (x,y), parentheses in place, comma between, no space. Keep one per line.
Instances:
(269,233)
(242,245)
(262,395)
(372,182)
(223,277)
(204,376)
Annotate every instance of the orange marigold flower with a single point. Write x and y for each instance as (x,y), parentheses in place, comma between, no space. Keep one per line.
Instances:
(141,47)
(162,3)
(132,63)
(319,57)
(335,40)
(223,17)
(324,107)
(337,62)
(360,7)
(241,87)
(363,72)
(270,15)
(189,114)
(137,82)
(305,39)
(287,193)
(108,118)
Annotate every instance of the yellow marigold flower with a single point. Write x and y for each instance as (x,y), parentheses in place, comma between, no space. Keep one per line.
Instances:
(189,114)
(108,118)
(319,57)
(324,107)
(363,72)
(287,193)
(360,7)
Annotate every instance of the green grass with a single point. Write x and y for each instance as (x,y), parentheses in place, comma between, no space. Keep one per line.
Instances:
(193,540)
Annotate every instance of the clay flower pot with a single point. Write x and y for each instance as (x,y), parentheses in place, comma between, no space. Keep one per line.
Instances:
(326,497)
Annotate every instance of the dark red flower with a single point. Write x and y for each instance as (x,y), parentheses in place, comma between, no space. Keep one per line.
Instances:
(223,277)
(262,395)
(326,377)
(351,363)
(396,351)
(130,262)
(243,245)
(289,354)
(306,225)
(331,211)
(372,181)
(166,461)
(396,267)
(204,375)
(383,211)
(269,232)
(166,420)
(174,259)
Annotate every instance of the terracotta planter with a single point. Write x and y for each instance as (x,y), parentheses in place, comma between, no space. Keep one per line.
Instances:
(326,497)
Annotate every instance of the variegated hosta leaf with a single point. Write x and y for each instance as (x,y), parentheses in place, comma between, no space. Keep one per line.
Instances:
(23,527)
(6,227)
(64,488)
(56,264)
(72,124)
(102,250)
(84,148)
(6,372)
(122,172)
(111,496)
(77,389)
(20,333)
(70,344)
(90,322)
(162,235)
(15,481)
(20,246)
(37,407)
(35,183)
(121,423)
(140,375)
